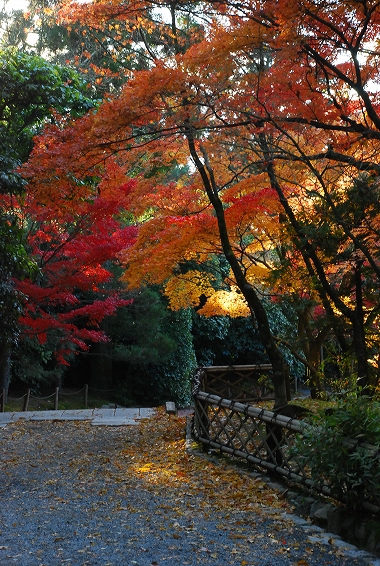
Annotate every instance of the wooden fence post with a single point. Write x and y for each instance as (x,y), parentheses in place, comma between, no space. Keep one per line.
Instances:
(56,399)
(86,396)
(26,400)
(201,414)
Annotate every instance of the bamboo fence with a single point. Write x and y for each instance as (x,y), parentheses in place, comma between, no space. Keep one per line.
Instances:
(246,383)
(260,437)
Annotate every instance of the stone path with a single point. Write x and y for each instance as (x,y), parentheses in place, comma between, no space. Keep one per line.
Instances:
(98,417)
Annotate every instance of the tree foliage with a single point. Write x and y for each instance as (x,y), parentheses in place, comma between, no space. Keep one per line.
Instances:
(32,89)
(271,114)
(153,351)
(137,332)
(69,295)
(350,436)
(53,284)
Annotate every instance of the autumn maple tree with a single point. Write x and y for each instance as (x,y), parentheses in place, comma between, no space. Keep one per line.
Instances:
(246,137)
(66,296)
(321,161)
(70,293)
(54,279)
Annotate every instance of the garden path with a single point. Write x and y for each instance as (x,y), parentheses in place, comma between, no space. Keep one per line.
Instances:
(82,495)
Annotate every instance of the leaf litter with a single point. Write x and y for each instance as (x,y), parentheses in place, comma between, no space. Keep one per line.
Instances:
(82,495)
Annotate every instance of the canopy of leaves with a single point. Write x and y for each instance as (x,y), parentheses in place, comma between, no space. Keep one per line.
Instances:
(50,261)
(137,332)
(69,296)
(271,115)
(32,89)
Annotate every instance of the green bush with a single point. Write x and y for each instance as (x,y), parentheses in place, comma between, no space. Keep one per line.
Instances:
(171,380)
(335,449)
(153,353)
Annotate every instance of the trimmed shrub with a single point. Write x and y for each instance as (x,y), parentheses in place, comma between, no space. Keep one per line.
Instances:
(342,450)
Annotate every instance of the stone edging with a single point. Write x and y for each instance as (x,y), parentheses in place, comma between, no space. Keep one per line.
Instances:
(357,528)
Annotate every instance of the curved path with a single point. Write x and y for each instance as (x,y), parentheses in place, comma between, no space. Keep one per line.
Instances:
(76,494)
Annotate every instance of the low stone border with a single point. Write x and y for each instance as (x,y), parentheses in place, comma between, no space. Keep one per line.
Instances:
(358,528)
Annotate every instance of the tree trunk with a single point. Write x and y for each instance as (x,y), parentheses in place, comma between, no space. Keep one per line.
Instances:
(271,348)
(312,351)
(5,366)
(314,358)
(259,314)
(359,341)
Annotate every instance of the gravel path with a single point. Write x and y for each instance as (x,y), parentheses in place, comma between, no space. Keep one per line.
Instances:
(73,494)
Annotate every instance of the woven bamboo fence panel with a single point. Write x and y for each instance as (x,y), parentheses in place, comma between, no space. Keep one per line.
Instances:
(260,437)
(245,383)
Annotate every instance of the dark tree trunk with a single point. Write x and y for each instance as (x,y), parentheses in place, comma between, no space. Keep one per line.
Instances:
(271,348)
(316,385)
(256,307)
(312,350)
(359,341)
(5,366)
(100,361)
(327,292)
